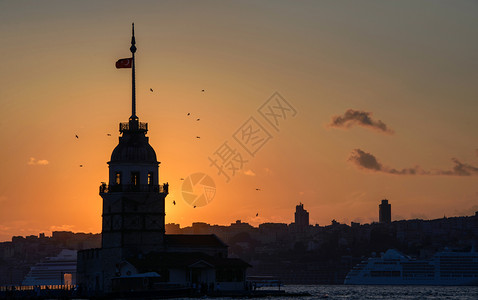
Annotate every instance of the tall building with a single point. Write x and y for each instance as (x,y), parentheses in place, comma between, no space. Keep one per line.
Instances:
(385,212)
(136,254)
(301,216)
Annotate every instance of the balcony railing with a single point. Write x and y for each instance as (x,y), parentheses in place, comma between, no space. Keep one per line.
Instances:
(114,188)
(125,126)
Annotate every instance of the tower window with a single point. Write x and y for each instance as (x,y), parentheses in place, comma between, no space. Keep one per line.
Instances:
(135,178)
(118,178)
(150,178)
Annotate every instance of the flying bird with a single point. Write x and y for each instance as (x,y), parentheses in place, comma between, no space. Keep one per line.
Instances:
(76,136)
(174,202)
(151,89)
(189,114)
(182,179)
(198,137)
(194,206)
(198,119)
(202,91)
(108,134)
(258,189)
(81,166)
(257,214)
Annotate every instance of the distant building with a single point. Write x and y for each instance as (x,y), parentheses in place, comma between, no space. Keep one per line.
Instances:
(385,212)
(172,228)
(301,216)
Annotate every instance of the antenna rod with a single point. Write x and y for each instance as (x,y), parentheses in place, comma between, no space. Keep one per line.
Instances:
(133,50)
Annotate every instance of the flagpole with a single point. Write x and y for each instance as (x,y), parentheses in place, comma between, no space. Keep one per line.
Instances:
(133,50)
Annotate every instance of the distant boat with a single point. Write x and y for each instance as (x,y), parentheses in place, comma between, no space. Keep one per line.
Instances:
(58,270)
(395,268)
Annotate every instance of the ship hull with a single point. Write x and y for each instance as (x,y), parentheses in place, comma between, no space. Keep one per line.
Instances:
(394,268)
(383,281)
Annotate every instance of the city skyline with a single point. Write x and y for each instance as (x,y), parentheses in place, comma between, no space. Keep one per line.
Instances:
(384,96)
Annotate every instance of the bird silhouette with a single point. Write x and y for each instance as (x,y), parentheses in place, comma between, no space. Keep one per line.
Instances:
(194,206)
(81,166)
(108,134)
(189,114)
(174,202)
(151,90)
(76,136)
(198,137)
(258,189)
(198,119)
(257,214)
(202,91)
(181,179)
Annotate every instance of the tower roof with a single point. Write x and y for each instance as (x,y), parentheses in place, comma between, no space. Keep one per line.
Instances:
(133,145)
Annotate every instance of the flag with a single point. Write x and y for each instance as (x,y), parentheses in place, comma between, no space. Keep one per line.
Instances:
(124,63)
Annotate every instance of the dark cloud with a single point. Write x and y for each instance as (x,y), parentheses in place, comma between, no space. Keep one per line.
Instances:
(407,171)
(368,161)
(360,118)
(365,160)
(460,169)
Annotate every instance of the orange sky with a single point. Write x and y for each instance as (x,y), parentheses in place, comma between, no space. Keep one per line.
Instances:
(409,66)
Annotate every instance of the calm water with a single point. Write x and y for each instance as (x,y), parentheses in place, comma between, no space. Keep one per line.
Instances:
(385,292)
(358,292)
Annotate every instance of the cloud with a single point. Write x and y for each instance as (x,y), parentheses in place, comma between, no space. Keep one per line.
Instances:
(368,161)
(361,118)
(249,173)
(365,160)
(4,228)
(460,169)
(39,162)
(61,228)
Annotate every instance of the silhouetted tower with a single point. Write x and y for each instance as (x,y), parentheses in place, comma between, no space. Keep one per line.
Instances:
(385,212)
(301,216)
(133,200)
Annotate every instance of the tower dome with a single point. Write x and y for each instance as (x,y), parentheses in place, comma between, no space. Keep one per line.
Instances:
(133,146)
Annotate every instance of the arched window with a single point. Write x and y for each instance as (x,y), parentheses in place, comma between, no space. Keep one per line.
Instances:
(135,178)
(118,178)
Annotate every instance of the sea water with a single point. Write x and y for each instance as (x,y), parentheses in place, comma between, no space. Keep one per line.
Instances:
(359,292)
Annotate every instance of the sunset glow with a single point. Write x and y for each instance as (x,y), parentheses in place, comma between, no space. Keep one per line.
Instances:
(384,94)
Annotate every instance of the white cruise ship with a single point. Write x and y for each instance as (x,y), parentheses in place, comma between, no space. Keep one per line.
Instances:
(395,268)
(59,270)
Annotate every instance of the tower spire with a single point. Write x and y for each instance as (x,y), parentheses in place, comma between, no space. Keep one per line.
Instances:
(133,102)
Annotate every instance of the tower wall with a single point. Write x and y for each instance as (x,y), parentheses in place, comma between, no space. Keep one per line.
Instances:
(133,221)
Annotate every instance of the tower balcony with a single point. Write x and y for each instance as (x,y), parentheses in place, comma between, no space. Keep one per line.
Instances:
(116,188)
(133,126)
